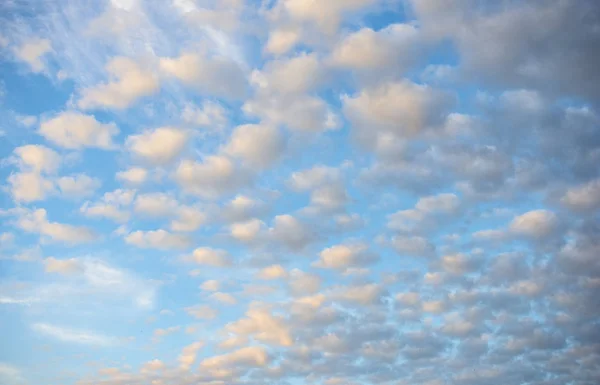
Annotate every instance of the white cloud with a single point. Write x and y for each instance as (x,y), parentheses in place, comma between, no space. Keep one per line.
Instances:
(247,231)
(36,221)
(155,204)
(213,177)
(252,356)
(63,266)
(272,272)
(258,146)
(413,246)
(201,312)
(393,48)
(133,175)
(291,232)
(326,16)
(211,115)
(9,374)
(263,326)
(282,40)
(314,177)
(584,197)
(30,186)
(345,256)
(302,113)
(78,185)
(159,146)
(113,206)
(188,355)
(210,257)
(402,108)
(33,51)
(129,82)
(188,219)
(37,158)
(296,75)
(215,76)
(75,336)
(158,239)
(74,130)
(535,224)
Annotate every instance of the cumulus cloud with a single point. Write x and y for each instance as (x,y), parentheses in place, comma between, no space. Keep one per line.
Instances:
(36,221)
(346,256)
(158,239)
(128,82)
(32,52)
(159,146)
(258,146)
(213,177)
(216,76)
(74,130)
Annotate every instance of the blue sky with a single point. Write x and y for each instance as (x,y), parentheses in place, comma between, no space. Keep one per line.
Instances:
(299,192)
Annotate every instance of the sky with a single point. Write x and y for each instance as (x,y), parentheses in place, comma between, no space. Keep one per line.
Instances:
(340,192)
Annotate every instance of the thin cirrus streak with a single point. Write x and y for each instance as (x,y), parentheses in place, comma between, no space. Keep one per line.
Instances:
(394,192)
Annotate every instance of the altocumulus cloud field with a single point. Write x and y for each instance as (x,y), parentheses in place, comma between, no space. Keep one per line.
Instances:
(333,192)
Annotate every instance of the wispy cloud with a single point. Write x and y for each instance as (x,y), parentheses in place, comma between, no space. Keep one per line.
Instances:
(76,336)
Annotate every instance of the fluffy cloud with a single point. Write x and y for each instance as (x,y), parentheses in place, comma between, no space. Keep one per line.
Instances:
(345,256)
(159,146)
(36,221)
(33,51)
(74,335)
(157,239)
(535,224)
(78,185)
(215,76)
(264,327)
(402,108)
(583,198)
(291,232)
(133,175)
(129,82)
(211,178)
(257,145)
(394,48)
(210,257)
(74,130)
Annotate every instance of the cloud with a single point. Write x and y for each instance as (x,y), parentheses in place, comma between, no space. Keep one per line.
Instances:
(159,146)
(32,52)
(402,108)
(128,83)
(74,130)
(213,177)
(188,355)
(584,197)
(65,267)
(75,336)
(133,175)
(345,256)
(292,233)
(210,257)
(113,205)
(263,327)
(158,239)
(273,272)
(216,76)
(535,224)
(37,158)
(258,146)
(36,221)
(394,48)
(248,357)
(78,185)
